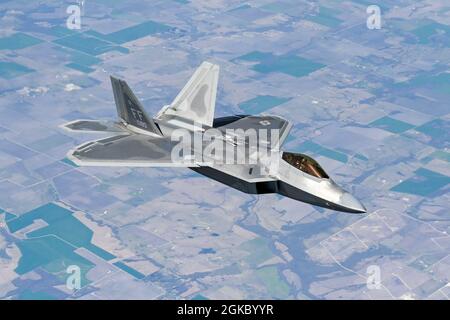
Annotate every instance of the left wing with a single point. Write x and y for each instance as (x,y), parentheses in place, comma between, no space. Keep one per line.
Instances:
(131,150)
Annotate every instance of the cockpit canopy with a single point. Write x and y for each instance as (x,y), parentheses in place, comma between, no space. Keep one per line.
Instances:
(305,164)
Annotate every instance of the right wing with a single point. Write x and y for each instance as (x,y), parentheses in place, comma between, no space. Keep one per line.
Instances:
(271,124)
(131,150)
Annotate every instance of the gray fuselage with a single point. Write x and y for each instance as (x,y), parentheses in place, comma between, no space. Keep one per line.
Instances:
(288,181)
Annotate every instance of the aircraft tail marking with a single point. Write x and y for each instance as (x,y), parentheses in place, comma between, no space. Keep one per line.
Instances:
(129,108)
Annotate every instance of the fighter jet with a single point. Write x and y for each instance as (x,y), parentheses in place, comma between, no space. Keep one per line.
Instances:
(138,140)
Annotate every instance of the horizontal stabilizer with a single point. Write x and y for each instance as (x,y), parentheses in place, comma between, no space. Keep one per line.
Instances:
(93,126)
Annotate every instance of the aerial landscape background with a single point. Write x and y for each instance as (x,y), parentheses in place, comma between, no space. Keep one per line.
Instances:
(372,105)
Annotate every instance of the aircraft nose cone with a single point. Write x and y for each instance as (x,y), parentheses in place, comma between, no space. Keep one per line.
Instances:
(352,204)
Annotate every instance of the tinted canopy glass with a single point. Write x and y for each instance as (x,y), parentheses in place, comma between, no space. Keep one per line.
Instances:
(305,164)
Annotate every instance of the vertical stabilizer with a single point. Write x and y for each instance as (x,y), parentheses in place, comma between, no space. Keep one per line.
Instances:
(196,102)
(130,109)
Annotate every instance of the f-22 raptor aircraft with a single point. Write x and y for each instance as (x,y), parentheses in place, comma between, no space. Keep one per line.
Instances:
(140,141)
